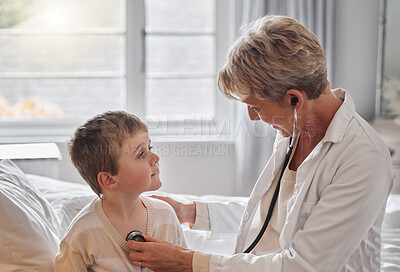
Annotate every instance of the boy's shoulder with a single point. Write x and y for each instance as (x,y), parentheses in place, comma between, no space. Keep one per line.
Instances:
(84,220)
(157,206)
(163,222)
(156,203)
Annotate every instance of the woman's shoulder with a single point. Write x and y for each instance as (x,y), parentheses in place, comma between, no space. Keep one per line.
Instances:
(360,137)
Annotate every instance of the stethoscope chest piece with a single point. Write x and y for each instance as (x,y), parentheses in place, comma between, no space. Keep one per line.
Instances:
(135,235)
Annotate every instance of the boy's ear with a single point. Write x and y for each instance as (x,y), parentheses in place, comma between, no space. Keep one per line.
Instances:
(106,181)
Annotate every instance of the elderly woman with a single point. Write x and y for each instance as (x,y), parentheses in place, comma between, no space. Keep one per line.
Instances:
(316,208)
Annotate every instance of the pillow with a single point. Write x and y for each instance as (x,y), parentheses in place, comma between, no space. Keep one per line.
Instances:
(66,198)
(29,228)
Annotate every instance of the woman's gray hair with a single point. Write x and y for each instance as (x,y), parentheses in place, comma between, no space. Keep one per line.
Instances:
(274,55)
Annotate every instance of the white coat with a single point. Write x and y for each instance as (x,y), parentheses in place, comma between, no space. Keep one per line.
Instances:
(335,215)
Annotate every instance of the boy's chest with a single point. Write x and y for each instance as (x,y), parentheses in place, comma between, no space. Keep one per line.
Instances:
(136,222)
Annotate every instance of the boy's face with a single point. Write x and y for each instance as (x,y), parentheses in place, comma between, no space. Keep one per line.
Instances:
(138,166)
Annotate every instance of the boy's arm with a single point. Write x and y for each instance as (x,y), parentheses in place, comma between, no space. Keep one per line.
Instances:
(181,240)
(68,260)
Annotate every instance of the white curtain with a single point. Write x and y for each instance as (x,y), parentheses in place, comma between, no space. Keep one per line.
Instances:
(254,140)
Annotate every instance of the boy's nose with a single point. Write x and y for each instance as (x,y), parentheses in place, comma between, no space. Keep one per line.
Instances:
(155,159)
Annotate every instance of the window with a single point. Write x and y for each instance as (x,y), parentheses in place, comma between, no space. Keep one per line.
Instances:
(65,61)
(180,58)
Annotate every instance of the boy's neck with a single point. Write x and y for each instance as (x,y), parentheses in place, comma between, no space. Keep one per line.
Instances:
(126,214)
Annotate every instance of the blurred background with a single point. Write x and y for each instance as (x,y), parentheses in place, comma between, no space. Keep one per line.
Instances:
(63,61)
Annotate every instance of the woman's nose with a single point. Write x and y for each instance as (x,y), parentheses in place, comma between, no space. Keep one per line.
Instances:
(252,114)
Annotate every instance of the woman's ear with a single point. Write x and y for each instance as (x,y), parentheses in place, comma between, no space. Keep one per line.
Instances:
(106,181)
(295,98)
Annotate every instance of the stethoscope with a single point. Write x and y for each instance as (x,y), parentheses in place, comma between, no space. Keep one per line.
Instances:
(136,235)
(293,102)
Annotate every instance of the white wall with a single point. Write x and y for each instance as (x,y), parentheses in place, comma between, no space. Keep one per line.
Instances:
(206,167)
(392,42)
(356,46)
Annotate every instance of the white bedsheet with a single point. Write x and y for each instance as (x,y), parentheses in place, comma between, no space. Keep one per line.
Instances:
(68,198)
(391,235)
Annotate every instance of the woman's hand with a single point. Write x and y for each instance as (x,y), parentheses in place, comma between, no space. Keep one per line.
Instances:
(186,212)
(160,256)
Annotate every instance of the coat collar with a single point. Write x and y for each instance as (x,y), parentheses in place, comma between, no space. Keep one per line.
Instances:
(345,113)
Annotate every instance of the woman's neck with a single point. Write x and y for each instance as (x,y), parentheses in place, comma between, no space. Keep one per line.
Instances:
(315,120)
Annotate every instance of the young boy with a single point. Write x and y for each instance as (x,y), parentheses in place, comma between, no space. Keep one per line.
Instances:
(112,152)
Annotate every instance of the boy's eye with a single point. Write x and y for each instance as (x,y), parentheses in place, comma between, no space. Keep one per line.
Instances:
(141,155)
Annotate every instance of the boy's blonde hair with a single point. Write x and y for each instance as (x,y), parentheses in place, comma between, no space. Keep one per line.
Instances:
(95,145)
(275,54)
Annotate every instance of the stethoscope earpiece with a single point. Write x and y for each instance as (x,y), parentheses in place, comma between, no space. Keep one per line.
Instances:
(293,101)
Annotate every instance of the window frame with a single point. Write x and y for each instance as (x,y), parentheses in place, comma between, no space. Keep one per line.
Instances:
(220,126)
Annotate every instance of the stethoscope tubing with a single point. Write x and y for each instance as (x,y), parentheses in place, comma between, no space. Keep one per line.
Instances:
(276,192)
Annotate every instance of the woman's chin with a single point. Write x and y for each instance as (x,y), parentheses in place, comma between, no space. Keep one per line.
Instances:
(284,133)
